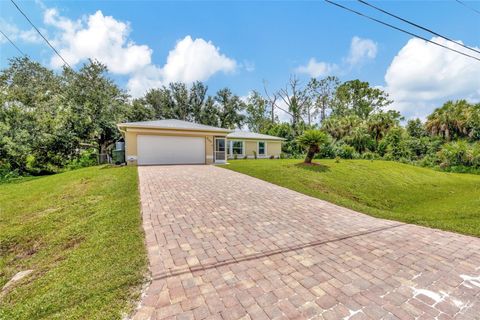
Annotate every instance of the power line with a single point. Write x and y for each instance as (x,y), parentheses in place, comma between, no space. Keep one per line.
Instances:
(13,44)
(417,25)
(469,7)
(401,30)
(48,42)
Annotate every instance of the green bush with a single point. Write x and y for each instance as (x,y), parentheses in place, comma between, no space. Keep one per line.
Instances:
(86,158)
(6,172)
(369,155)
(454,153)
(345,151)
(326,152)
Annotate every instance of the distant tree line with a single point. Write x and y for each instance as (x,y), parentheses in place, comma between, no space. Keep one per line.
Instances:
(54,121)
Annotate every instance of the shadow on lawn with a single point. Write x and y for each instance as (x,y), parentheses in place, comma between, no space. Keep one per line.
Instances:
(314,166)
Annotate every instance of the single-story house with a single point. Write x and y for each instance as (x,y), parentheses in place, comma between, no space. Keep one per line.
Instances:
(182,142)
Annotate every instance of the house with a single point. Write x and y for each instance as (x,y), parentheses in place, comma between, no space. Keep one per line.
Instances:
(182,142)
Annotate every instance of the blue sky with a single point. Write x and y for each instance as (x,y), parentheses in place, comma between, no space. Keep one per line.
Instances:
(240,44)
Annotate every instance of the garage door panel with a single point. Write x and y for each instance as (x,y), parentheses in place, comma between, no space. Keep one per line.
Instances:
(152,149)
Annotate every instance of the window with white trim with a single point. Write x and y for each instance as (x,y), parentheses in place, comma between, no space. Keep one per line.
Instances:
(262,150)
(235,147)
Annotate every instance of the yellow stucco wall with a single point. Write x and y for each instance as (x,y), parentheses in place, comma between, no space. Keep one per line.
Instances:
(274,148)
(209,140)
(130,136)
(250,146)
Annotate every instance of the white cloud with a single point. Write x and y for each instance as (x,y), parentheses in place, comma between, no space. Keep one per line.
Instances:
(316,68)
(190,60)
(107,40)
(145,79)
(361,50)
(98,37)
(422,76)
(15,34)
(193,60)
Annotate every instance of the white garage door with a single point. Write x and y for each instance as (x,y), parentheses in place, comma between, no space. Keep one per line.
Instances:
(170,150)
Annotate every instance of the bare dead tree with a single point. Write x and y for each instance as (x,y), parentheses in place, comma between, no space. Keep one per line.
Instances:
(272,101)
(297,100)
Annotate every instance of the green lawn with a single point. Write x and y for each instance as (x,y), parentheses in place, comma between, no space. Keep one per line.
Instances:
(80,232)
(382,189)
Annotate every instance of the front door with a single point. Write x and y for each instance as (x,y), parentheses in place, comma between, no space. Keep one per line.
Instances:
(220,155)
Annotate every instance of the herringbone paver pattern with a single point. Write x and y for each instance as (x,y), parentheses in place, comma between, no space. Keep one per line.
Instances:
(223,245)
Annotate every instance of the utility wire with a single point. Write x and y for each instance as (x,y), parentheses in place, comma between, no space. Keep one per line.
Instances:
(13,44)
(48,42)
(401,30)
(417,25)
(467,6)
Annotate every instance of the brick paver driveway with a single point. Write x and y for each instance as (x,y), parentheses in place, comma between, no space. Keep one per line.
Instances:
(223,245)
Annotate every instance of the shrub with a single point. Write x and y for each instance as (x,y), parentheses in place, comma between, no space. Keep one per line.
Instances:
(369,155)
(326,152)
(6,172)
(475,154)
(429,161)
(86,158)
(454,154)
(272,157)
(345,151)
(394,144)
(235,156)
(255,155)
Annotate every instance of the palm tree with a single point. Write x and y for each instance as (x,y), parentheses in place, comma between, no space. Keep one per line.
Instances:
(360,139)
(311,140)
(379,123)
(455,119)
(339,127)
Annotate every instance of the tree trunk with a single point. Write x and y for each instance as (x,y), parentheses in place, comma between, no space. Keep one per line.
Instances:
(102,151)
(323,112)
(311,154)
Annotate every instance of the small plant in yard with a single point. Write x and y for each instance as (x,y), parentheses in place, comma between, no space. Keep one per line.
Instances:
(255,155)
(235,157)
(311,140)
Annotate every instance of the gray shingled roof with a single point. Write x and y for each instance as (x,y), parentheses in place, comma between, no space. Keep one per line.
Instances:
(251,135)
(172,124)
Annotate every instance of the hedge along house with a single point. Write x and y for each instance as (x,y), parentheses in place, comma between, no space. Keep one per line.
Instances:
(183,142)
